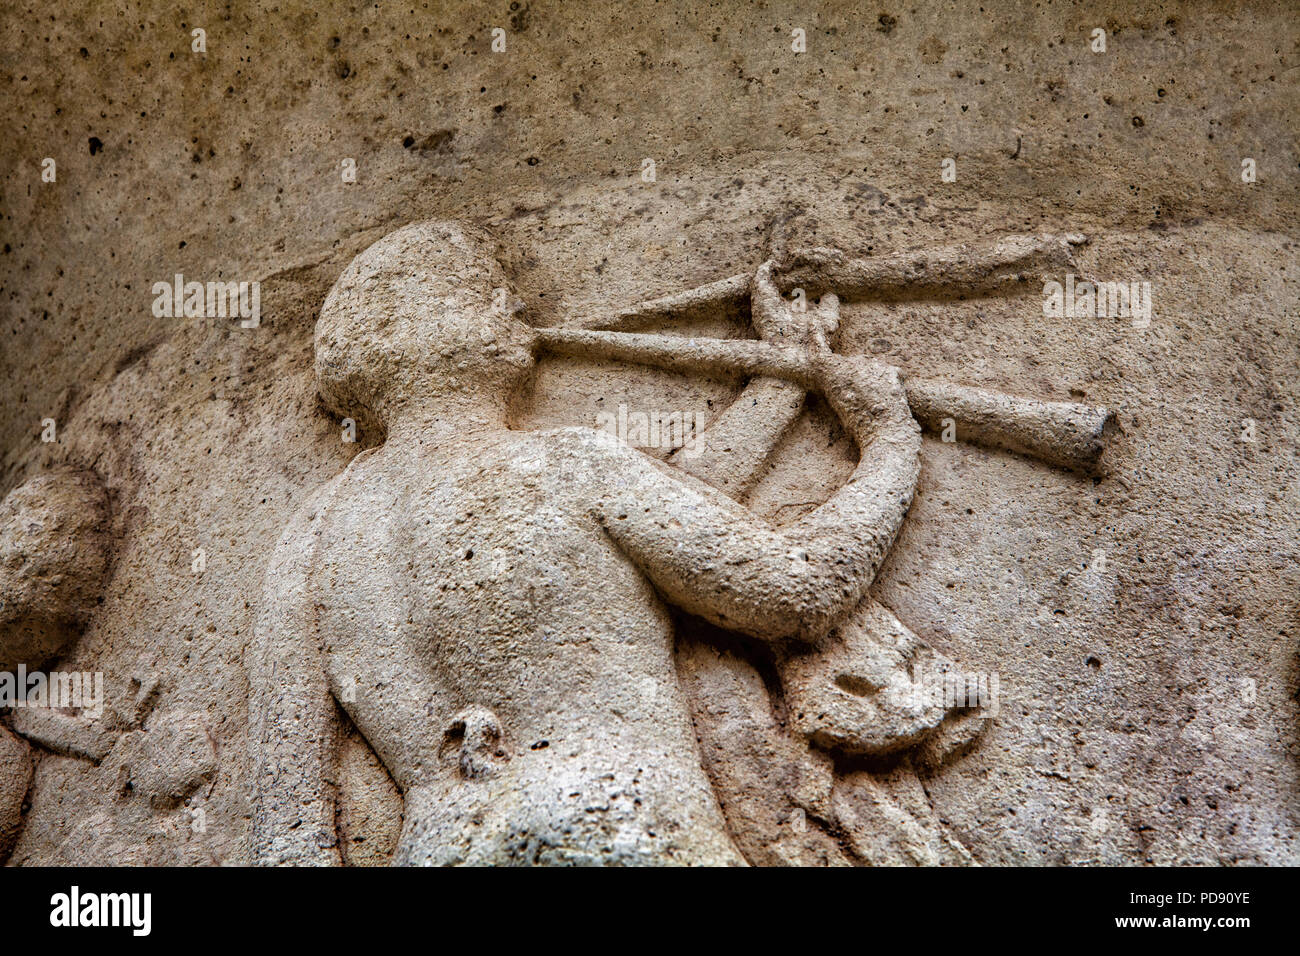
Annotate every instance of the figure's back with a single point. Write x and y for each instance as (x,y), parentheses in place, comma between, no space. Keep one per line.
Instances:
(508,664)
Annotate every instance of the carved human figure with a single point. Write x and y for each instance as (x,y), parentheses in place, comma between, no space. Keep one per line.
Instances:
(53,558)
(488,605)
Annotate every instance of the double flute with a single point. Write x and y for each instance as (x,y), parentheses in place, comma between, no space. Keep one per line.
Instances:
(1065,434)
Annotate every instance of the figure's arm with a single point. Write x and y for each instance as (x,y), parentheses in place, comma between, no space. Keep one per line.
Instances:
(292,733)
(65,734)
(731,452)
(716,559)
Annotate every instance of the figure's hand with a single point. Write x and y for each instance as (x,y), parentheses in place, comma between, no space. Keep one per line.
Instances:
(875,688)
(865,389)
(861,386)
(863,690)
(777,321)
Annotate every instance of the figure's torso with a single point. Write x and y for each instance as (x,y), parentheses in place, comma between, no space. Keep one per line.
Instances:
(484,580)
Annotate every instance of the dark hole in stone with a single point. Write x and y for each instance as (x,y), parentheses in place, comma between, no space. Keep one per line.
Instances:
(857,686)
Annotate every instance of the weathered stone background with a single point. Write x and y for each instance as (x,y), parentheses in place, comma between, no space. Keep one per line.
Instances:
(1149,712)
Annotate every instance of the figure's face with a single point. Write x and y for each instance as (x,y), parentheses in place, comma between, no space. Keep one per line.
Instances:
(466,341)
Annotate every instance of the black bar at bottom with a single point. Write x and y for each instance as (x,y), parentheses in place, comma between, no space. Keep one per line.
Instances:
(380,907)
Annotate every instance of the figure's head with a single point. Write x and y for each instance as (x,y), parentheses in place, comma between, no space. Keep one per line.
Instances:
(423,314)
(54,549)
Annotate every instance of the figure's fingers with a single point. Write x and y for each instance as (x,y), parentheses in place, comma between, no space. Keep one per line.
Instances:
(828,312)
(765,289)
(821,322)
(767,305)
(818,339)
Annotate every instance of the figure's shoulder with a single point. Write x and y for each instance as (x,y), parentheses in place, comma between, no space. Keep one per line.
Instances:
(577,438)
(312,512)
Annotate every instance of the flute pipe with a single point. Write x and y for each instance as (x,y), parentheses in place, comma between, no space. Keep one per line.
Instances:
(732,289)
(970,267)
(1068,435)
(709,356)
(966,267)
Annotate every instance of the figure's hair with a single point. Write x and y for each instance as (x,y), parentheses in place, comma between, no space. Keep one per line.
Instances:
(401,301)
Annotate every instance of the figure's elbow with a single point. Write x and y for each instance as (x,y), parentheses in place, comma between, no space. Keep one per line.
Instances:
(807,597)
(830,598)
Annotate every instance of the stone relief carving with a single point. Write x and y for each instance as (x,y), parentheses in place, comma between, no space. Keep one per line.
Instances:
(53,558)
(493,609)
(1047,659)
